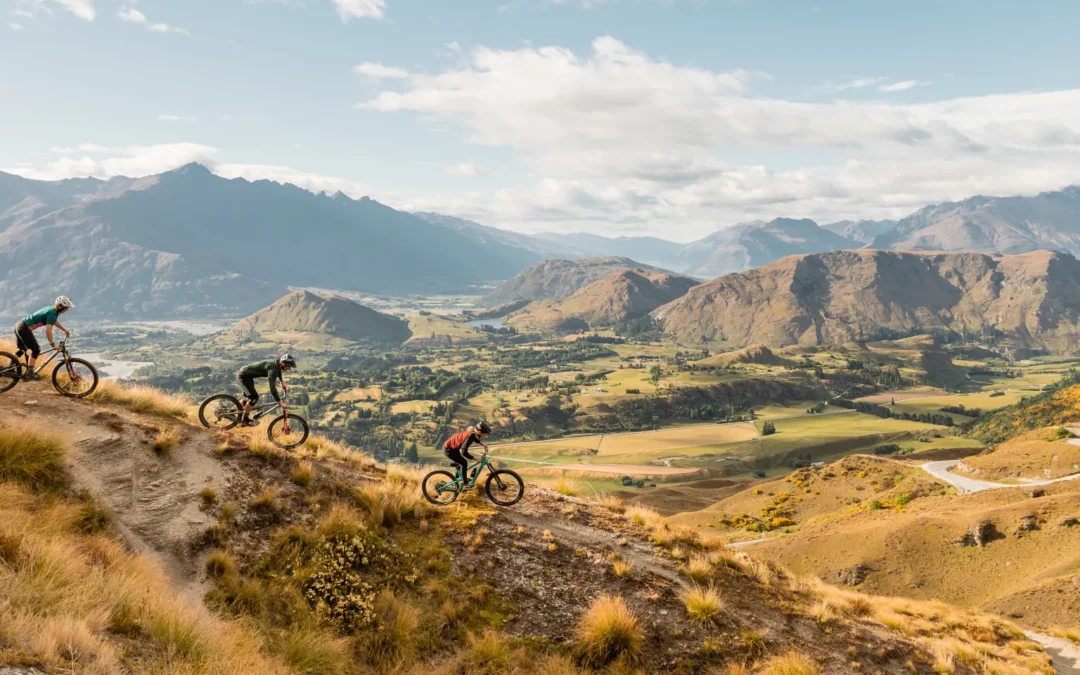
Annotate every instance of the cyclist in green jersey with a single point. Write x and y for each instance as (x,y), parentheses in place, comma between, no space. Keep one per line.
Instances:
(24,331)
(272,370)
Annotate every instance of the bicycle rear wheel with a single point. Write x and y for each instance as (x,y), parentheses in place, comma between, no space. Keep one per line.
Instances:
(10,371)
(77,378)
(439,487)
(297,434)
(220,411)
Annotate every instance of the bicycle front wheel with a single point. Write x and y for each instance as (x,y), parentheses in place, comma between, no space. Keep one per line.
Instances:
(10,371)
(505,487)
(76,378)
(220,411)
(296,434)
(440,487)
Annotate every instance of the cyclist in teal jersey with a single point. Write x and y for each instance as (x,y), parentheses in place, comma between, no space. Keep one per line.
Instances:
(24,331)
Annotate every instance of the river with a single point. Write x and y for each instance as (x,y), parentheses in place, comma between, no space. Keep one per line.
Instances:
(112,369)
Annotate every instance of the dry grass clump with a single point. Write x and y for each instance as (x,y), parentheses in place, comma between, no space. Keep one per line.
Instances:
(621,569)
(303,474)
(388,502)
(141,399)
(702,604)
(393,641)
(568,487)
(220,564)
(1070,634)
(409,474)
(611,503)
(92,518)
(699,569)
(489,654)
(32,458)
(643,516)
(791,663)
(167,439)
(608,630)
(207,496)
(81,603)
(313,652)
(267,501)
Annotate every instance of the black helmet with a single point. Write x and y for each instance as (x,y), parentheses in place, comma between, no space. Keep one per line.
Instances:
(287,360)
(483,428)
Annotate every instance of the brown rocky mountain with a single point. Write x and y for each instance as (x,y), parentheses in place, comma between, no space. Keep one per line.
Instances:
(307,312)
(1032,298)
(557,279)
(1001,225)
(626,294)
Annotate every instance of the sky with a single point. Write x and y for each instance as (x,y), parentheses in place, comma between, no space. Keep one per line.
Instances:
(673,118)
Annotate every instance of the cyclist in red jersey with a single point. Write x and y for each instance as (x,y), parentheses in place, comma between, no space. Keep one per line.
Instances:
(456,449)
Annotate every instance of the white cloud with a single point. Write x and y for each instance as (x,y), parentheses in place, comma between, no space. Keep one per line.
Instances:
(174,118)
(132,15)
(82,147)
(23,13)
(84,9)
(623,141)
(15,26)
(857,83)
(378,71)
(360,9)
(134,160)
(463,169)
(901,86)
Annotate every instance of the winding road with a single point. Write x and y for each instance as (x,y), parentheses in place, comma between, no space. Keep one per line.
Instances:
(940,470)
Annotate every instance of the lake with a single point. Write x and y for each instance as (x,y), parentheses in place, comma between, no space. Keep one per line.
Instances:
(494,323)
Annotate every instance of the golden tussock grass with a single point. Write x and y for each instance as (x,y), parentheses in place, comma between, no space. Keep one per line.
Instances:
(621,569)
(303,473)
(568,487)
(267,501)
(703,605)
(142,399)
(609,630)
(699,569)
(407,474)
(389,502)
(791,663)
(219,564)
(643,516)
(312,652)
(167,439)
(393,642)
(611,503)
(32,458)
(207,496)
(1070,634)
(69,600)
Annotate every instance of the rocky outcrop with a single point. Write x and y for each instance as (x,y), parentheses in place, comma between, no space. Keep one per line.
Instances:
(979,535)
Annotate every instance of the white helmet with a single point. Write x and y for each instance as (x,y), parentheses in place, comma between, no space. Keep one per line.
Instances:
(63,302)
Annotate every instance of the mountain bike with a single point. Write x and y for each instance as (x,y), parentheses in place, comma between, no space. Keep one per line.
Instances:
(504,487)
(73,377)
(224,411)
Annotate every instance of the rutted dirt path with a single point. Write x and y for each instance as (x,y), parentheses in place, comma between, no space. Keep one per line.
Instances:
(153,497)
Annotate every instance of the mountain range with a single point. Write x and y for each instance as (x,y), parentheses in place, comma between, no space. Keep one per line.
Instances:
(188,243)
(622,295)
(1031,299)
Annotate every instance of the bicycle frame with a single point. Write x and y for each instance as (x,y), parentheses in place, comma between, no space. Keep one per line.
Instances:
(55,351)
(478,467)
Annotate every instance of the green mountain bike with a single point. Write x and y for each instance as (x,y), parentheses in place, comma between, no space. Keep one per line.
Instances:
(504,487)
(71,376)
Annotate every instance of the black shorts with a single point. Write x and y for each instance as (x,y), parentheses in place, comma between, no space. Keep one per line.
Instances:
(248,385)
(25,340)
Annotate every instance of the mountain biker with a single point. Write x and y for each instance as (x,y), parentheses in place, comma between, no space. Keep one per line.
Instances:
(456,449)
(24,331)
(271,369)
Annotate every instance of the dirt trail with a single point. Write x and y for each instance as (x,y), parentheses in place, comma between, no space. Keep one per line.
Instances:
(153,498)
